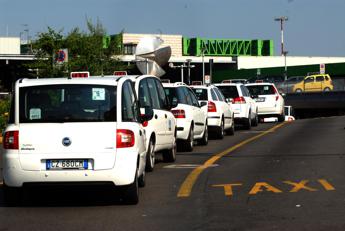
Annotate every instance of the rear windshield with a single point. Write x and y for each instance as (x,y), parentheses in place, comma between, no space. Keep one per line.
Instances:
(261,89)
(67,103)
(229,91)
(200,93)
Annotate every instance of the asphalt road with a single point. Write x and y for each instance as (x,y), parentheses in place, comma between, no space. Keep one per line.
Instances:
(275,177)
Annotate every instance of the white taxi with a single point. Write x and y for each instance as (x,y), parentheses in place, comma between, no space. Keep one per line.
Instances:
(191,116)
(220,117)
(270,102)
(72,130)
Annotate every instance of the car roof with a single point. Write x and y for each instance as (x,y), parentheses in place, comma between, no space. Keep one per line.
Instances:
(176,84)
(51,81)
(258,84)
(228,84)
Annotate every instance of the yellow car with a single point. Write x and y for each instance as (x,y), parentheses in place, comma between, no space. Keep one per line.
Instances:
(320,82)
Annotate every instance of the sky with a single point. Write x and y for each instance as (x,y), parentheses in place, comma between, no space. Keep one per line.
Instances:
(314,27)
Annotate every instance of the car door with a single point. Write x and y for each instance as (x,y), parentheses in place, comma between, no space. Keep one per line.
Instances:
(249,99)
(199,114)
(319,83)
(169,118)
(309,84)
(148,97)
(225,108)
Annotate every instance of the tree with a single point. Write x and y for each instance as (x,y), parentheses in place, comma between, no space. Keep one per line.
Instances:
(86,52)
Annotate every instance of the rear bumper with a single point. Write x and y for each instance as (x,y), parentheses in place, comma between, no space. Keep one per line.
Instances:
(270,111)
(123,173)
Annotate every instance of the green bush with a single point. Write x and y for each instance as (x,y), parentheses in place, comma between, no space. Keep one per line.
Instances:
(4,110)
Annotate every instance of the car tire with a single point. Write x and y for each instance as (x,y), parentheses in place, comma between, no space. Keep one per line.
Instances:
(220,130)
(231,131)
(170,154)
(248,123)
(189,143)
(12,196)
(298,90)
(150,157)
(204,139)
(142,180)
(327,89)
(255,121)
(130,193)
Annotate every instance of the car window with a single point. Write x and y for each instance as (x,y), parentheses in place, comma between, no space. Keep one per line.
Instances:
(67,103)
(162,96)
(326,78)
(219,94)
(229,92)
(214,95)
(129,103)
(186,95)
(201,93)
(144,94)
(245,91)
(154,94)
(261,89)
(309,80)
(192,96)
(319,79)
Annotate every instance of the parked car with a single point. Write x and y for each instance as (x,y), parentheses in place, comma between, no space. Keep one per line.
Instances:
(270,103)
(191,115)
(319,82)
(68,131)
(287,85)
(243,105)
(220,117)
(161,130)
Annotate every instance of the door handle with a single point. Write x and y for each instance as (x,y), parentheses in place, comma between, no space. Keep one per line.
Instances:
(156,116)
(166,116)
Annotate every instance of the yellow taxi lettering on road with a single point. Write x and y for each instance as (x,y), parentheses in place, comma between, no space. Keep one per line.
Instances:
(259,186)
(227,188)
(326,185)
(300,185)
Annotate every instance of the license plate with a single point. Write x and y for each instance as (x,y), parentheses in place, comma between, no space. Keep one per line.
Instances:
(260,100)
(66,164)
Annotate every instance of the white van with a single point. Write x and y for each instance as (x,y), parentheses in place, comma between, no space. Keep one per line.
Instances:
(67,130)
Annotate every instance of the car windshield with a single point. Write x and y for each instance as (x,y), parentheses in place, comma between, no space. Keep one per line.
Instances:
(229,91)
(261,89)
(67,103)
(200,93)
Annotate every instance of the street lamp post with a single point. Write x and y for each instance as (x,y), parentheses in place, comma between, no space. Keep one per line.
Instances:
(285,66)
(281,19)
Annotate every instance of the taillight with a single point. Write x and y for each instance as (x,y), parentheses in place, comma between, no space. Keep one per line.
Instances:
(179,113)
(211,107)
(277,97)
(239,100)
(11,140)
(124,138)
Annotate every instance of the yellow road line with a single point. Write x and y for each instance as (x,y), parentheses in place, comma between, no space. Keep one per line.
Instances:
(187,185)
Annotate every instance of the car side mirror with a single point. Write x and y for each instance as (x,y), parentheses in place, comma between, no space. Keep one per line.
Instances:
(254,96)
(228,100)
(174,102)
(146,114)
(203,103)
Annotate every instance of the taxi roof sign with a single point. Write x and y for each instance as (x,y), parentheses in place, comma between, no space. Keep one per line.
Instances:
(117,73)
(80,74)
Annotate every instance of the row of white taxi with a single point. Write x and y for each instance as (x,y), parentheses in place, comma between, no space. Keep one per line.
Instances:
(108,129)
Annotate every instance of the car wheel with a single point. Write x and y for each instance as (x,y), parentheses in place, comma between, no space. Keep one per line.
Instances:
(220,132)
(248,123)
(130,193)
(170,154)
(204,139)
(231,131)
(189,143)
(142,180)
(327,89)
(150,157)
(298,90)
(255,121)
(12,195)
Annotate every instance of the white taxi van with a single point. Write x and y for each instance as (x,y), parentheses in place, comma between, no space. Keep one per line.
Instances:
(68,130)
